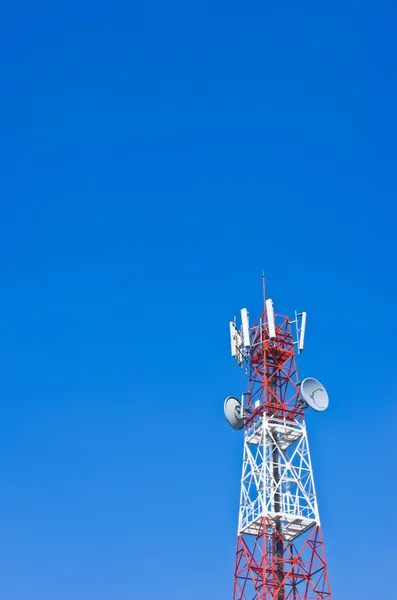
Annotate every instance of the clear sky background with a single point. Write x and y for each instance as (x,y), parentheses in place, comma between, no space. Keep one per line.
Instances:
(155,158)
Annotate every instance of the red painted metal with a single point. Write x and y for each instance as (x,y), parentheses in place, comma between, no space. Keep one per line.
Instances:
(267,566)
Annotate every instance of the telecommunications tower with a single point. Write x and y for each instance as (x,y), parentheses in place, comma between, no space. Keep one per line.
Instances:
(280,550)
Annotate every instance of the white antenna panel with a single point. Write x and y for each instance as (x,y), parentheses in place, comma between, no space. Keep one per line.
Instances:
(246,327)
(233,341)
(236,343)
(302,333)
(270,319)
(239,351)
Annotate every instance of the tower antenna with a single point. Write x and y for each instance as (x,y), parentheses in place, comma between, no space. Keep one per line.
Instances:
(280,550)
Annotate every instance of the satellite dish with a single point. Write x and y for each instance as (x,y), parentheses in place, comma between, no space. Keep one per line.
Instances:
(232,410)
(314,394)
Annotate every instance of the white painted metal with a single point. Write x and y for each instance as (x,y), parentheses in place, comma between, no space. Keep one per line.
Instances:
(236,343)
(233,412)
(314,394)
(245,327)
(233,342)
(239,345)
(293,489)
(301,332)
(270,318)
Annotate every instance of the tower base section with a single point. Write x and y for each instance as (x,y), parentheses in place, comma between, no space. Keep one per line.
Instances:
(270,568)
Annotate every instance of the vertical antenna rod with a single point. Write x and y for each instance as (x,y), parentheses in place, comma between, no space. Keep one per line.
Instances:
(264,291)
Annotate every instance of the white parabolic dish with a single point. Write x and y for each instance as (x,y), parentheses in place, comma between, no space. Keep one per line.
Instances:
(232,410)
(314,394)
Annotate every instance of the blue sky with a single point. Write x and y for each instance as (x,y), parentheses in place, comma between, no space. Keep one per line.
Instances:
(156,158)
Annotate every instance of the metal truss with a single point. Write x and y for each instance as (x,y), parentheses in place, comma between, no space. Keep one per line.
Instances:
(280,553)
(277,478)
(298,573)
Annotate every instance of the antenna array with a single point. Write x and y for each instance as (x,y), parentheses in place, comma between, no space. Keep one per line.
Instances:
(280,551)
(240,338)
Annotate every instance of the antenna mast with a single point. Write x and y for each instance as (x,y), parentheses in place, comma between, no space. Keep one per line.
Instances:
(280,551)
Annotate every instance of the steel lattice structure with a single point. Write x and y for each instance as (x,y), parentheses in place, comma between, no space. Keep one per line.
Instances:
(280,550)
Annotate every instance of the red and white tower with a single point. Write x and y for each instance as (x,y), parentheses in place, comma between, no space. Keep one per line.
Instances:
(280,550)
